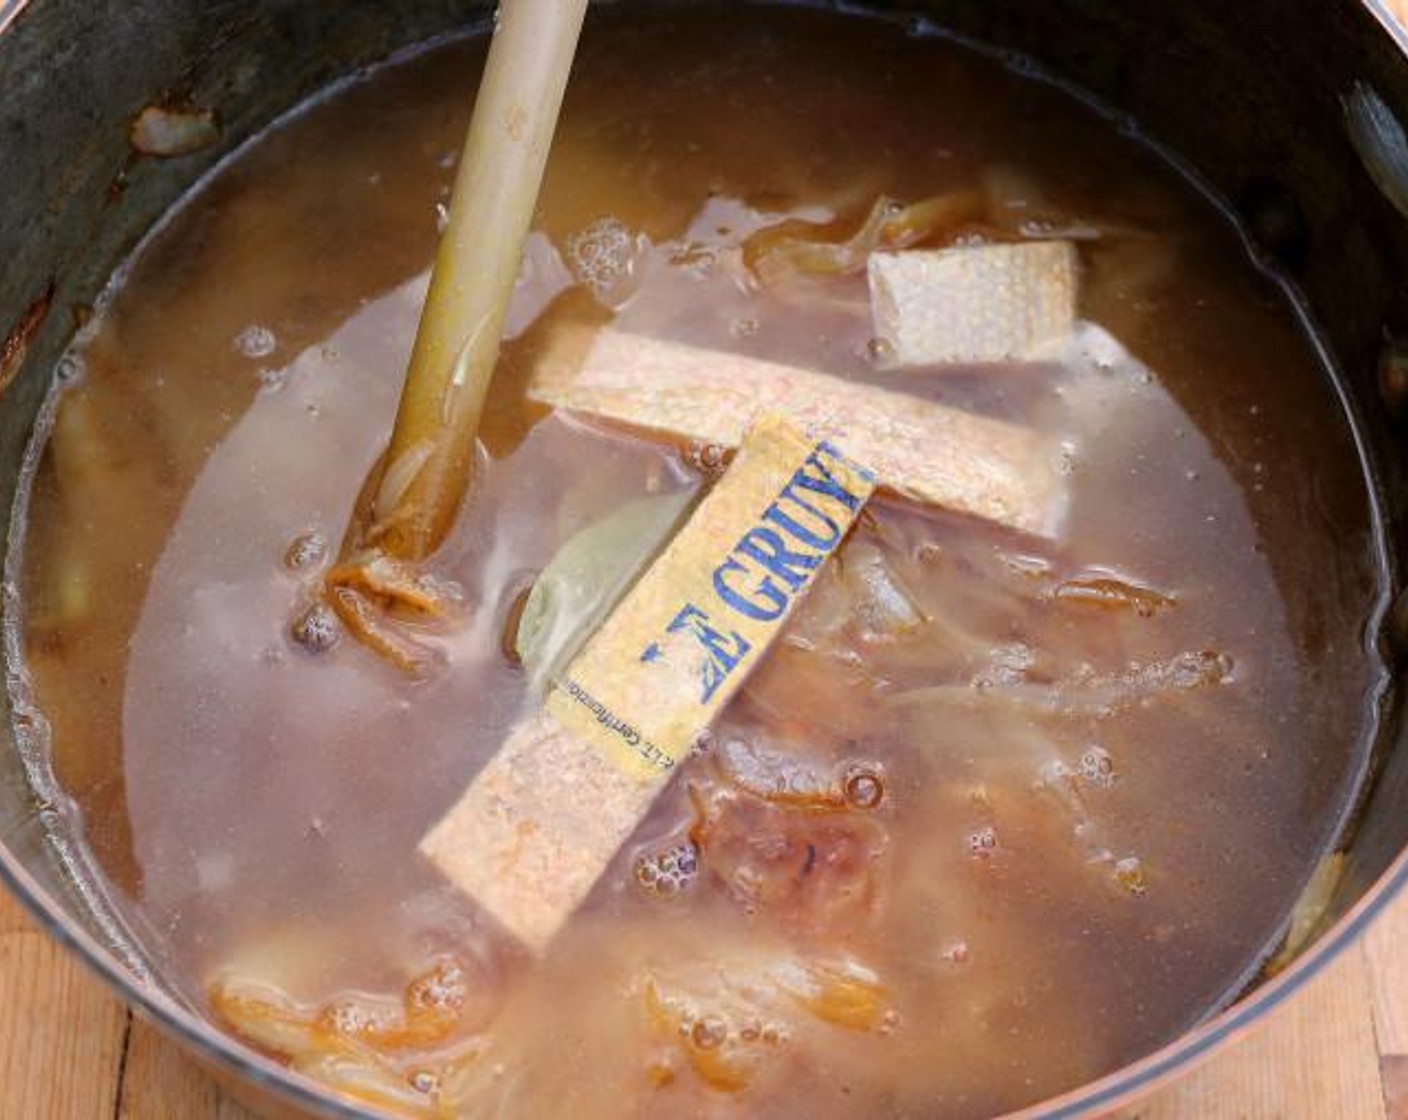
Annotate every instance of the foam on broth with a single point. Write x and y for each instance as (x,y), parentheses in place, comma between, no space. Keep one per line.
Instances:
(1094,819)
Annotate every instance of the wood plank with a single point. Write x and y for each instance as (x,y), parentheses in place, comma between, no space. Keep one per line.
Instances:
(161,1083)
(61,1033)
(13,917)
(1386,947)
(1314,1060)
(1395,1076)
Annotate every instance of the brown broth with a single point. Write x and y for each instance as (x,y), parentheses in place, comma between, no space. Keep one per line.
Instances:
(257,809)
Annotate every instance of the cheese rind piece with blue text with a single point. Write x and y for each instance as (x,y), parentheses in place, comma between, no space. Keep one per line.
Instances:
(547,814)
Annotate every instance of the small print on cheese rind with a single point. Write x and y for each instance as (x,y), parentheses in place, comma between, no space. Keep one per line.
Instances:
(976,305)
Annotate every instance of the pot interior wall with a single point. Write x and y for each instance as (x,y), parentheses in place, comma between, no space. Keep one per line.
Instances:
(1252,100)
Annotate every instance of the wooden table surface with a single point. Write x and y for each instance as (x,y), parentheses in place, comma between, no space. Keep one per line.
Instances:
(1339,1051)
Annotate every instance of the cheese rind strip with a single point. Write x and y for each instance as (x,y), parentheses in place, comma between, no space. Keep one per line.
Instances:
(548,812)
(985,303)
(537,827)
(923,451)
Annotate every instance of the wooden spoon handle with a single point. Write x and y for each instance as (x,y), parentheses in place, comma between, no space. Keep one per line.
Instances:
(457,343)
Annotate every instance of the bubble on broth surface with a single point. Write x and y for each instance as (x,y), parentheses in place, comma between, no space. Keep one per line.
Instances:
(1097,768)
(709,459)
(271,380)
(604,257)
(665,874)
(71,369)
(1130,876)
(863,788)
(306,550)
(256,341)
(317,629)
(982,842)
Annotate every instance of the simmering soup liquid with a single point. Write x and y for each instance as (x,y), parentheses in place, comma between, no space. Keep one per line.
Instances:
(998,814)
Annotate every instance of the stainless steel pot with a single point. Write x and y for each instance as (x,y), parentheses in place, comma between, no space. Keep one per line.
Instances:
(1251,96)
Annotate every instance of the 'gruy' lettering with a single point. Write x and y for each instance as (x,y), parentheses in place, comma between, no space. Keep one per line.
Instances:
(767,601)
(826,484)
(769,565)
(769,550)
(825,540)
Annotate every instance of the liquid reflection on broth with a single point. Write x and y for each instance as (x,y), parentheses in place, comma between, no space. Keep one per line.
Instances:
(997,814)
